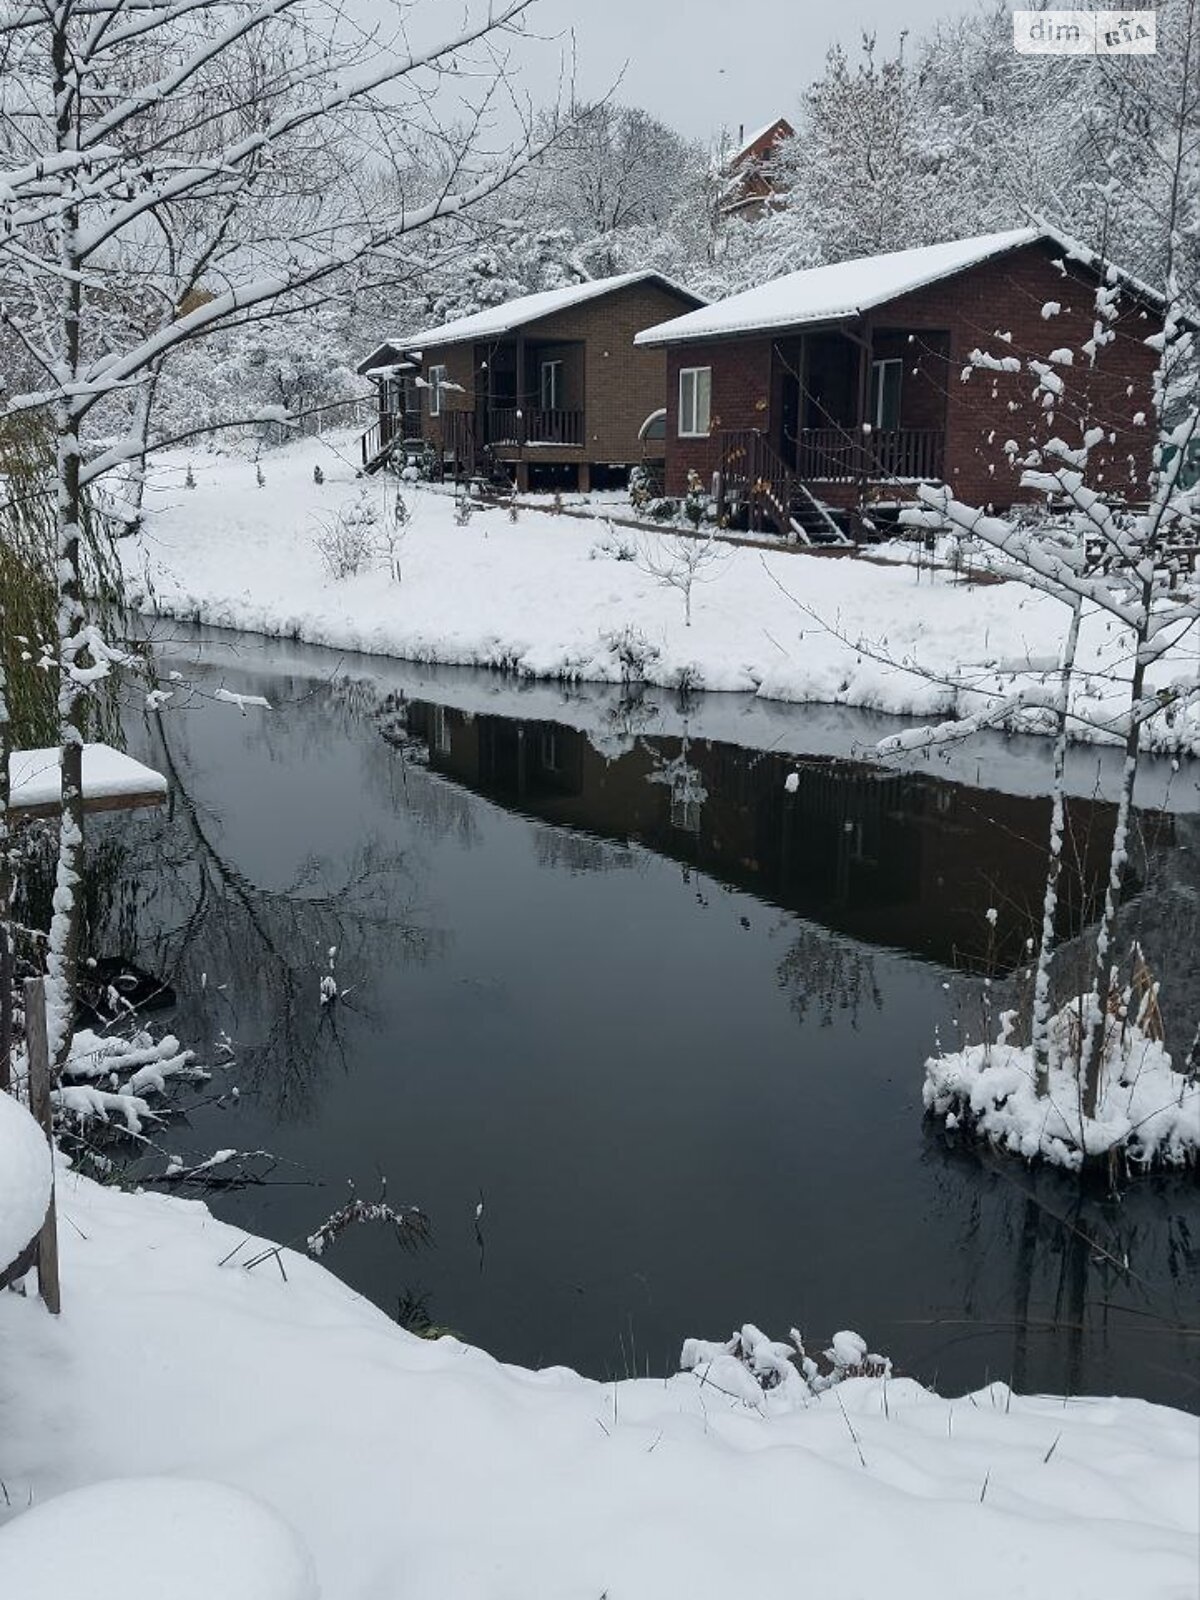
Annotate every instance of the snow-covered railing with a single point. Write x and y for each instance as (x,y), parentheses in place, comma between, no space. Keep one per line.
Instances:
(112,781)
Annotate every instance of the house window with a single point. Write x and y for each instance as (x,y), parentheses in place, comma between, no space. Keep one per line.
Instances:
(695,402)
(885,394)
(437,378)
(551,386)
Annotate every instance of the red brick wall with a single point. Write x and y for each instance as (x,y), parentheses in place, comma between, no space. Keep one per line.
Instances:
(1007,296)
(988,409)
(741,397)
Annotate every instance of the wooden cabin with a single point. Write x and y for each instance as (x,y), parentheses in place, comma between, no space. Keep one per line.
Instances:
(749,189)
(820,400)
(548,390)
(394,371)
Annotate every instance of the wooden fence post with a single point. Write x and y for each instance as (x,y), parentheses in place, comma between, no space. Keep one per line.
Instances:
(38,1047)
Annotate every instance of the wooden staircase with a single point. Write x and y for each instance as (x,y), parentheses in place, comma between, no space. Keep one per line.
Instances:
(755,477)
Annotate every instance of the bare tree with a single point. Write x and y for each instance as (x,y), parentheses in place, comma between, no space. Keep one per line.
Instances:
(105,128)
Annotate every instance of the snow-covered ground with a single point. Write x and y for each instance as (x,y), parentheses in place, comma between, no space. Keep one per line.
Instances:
(412,1468)
(546,596)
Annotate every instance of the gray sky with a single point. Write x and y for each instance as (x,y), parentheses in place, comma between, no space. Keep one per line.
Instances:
(701,64)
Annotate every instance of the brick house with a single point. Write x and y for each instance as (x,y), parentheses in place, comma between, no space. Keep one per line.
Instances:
(549,389)
(828,394)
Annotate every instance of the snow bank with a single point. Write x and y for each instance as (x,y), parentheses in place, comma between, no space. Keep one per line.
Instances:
(26,1179)
(154,1536)
(418,1468)
(528,598)
(1146,1109)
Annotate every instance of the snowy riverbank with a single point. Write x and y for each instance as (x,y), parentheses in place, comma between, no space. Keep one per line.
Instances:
(540,597)
(413,1468)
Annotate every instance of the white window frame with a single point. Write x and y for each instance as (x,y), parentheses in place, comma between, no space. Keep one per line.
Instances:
(437,377)
(440,732)
(689,408)
(553,368)
(878,387)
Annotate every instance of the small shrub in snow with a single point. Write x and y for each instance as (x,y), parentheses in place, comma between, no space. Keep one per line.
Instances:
(663,510)
(642,487)
(749,1364)
(258,473)
(464,510)
(614,546)
(318,475)
(189,481)
(696,501)
(347,542)
(633,651)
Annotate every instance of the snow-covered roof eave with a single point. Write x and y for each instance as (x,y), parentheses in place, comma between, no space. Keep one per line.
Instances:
(498,321)
(709,323)
(384,359)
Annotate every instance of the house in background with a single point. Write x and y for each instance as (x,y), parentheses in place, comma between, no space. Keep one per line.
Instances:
(548,389)
(394,370)
(821,398)
(749,190)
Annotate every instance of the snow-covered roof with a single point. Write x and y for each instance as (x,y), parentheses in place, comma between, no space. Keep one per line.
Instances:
(389,357)
(748,143)
(527,308)
(846,289)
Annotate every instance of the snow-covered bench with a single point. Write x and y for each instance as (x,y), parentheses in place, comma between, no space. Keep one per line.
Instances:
(112,781)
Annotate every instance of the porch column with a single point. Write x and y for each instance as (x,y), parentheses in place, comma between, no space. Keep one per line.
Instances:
(585,477)
(863,398)
(523,397)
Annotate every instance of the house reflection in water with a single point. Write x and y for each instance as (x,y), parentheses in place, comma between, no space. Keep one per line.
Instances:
(890,858)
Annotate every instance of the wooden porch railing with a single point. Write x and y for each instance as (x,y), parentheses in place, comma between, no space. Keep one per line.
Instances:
(389,426)
(831,455)
(757,476)
(515,426)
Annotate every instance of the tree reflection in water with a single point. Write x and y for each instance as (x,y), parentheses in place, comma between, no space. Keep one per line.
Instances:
(202,922)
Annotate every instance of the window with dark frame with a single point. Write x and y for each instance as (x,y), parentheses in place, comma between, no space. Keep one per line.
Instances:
(695,402)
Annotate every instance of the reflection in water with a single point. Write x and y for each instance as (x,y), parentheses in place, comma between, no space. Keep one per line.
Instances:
(889,858)
(661,1018)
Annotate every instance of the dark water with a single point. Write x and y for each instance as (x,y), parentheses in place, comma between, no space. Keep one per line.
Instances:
(663,1019)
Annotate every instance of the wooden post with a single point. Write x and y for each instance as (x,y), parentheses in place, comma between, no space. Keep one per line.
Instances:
(38,1047)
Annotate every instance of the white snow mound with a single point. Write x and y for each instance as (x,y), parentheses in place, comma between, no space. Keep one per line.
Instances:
(134,1538)
(26,1177)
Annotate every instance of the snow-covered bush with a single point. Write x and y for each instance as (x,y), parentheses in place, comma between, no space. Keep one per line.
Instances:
(634,653)
(662,510)
(347,542)
(614,546)
(750,1364)
(1147,1114)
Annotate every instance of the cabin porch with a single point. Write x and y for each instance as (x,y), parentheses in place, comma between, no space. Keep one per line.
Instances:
(861,405)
